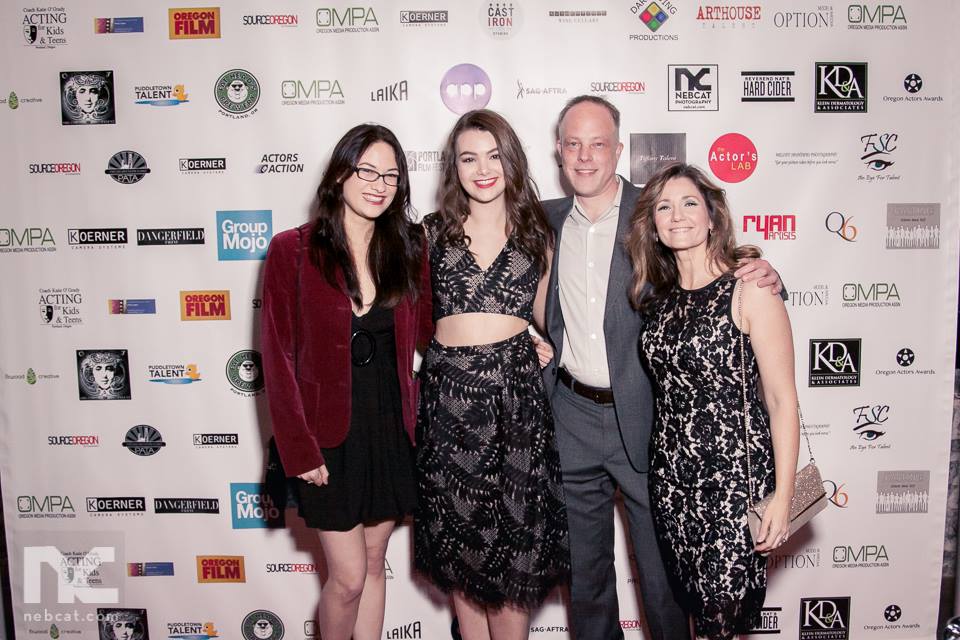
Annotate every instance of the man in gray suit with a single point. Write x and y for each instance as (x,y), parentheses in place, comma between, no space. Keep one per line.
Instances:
(602,399)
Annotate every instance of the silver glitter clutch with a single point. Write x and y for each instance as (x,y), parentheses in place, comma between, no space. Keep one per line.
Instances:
(809,496)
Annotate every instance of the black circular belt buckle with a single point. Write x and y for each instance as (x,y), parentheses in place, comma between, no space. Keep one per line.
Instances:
(363,347)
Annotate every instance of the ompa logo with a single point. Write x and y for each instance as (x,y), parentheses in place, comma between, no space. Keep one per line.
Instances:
(244,235)
(253,507)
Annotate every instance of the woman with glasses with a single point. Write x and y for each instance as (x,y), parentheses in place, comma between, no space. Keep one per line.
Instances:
(346,301)
(491,525)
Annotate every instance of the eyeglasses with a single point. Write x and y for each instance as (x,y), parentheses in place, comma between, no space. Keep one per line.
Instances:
(369,175)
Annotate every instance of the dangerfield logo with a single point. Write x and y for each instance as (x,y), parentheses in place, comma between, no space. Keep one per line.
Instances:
(253,507)
(183,235)
(220,569)
(841,87)
(186,505)
(834,362)
(825,618)
(244,235)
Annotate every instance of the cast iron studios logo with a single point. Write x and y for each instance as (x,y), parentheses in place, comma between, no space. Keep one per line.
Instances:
(501,19)
(834,362)
(692,87)
(767,86)
(825,618)
(841,87)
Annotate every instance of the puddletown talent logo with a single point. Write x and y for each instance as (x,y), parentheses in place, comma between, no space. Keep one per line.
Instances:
(176,374)
(162,95)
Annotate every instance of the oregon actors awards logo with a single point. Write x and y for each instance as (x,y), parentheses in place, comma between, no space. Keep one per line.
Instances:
(834,362)
(254,507)
(245,372)
(841,87)
(237,92)
(244,235)
(733,157)
(465,87)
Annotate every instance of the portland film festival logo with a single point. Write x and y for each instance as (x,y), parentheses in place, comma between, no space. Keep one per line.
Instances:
(237,92)
(913,225)
(834,362)
(245,372)
(903,491)
(86,97)
(841,87)
(465,87)
(103,374)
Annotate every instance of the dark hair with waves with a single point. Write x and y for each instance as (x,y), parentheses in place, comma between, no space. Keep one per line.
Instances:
(396,249)
(525,217)
(654,266)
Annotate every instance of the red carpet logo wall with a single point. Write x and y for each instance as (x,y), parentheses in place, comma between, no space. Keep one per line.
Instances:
(151,158)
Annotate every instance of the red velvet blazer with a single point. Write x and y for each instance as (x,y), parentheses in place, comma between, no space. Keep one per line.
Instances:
(306,352)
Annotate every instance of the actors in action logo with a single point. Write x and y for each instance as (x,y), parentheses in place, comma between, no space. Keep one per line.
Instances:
(103,374)
(86,97)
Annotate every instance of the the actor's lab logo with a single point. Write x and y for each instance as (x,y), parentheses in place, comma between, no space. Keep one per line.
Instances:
(825,618)
(143,440)
(834,362)
(220,569)
(87,97)
(355,19)
(162,95)
(205,305)
(913,225)
(237,92)
(501,19)
(315,92)
(840,87)
(650,152)
(79,577)
(60,307)
(103,374)
(465,87)
(692,87)
(903,491)
(254,508)
(733,157)
(127,167)
(44,27)
(244,235)
(262,625)
(766,86)
(191,23)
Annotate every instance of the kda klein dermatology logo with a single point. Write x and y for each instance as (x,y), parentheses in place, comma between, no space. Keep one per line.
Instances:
(237,92)
(733,157)
(220,569)
(825,618)
(692,87)
(191,23)
(254,508)
(244,235)
(834,362)
(903,491)
(143,440)
(912,225)
(262,625)
(79,574)
(245,372)
(841,87)
(465,87)
(204,305)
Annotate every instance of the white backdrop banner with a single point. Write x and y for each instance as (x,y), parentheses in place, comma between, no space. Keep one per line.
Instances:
(152,151)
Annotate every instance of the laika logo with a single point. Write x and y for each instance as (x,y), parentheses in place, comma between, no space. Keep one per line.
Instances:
(465,87)
(244,235)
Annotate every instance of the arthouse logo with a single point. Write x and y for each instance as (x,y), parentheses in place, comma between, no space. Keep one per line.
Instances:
(841,87)
(465,87)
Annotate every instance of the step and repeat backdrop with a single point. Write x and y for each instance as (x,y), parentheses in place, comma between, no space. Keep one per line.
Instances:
(152,151)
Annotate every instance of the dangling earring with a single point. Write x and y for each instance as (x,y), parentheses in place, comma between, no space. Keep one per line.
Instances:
(656,238)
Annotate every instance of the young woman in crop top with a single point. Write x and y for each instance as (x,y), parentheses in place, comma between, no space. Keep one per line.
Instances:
(490,526)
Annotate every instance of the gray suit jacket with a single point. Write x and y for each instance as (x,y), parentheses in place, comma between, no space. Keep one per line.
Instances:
(621,327)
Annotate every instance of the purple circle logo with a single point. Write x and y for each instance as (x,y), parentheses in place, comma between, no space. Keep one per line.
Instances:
(465,87)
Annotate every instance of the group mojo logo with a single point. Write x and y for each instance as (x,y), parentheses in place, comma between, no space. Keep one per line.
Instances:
(834,362)
(841,87)
(825,618)
(244,235)
(692,87)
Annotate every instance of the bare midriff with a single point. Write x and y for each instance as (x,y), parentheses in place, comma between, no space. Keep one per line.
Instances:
(467,329)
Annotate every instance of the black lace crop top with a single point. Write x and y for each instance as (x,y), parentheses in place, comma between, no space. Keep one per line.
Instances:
(508,286)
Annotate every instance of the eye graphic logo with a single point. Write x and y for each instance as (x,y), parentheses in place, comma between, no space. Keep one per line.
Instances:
(870,421)
(877,150)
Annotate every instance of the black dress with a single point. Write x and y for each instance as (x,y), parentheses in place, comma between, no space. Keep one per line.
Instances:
(698,481)
(371,472)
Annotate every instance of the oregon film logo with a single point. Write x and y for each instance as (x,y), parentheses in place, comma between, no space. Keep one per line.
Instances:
(220,569)
(191,23)
(834,362)
(204,305)
(245,372)
(262,625)
(237,92)
(733,157)
(825,618)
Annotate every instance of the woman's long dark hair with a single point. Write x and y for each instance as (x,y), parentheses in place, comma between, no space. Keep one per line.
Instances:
(525,217)
(396,249)
(654,265)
